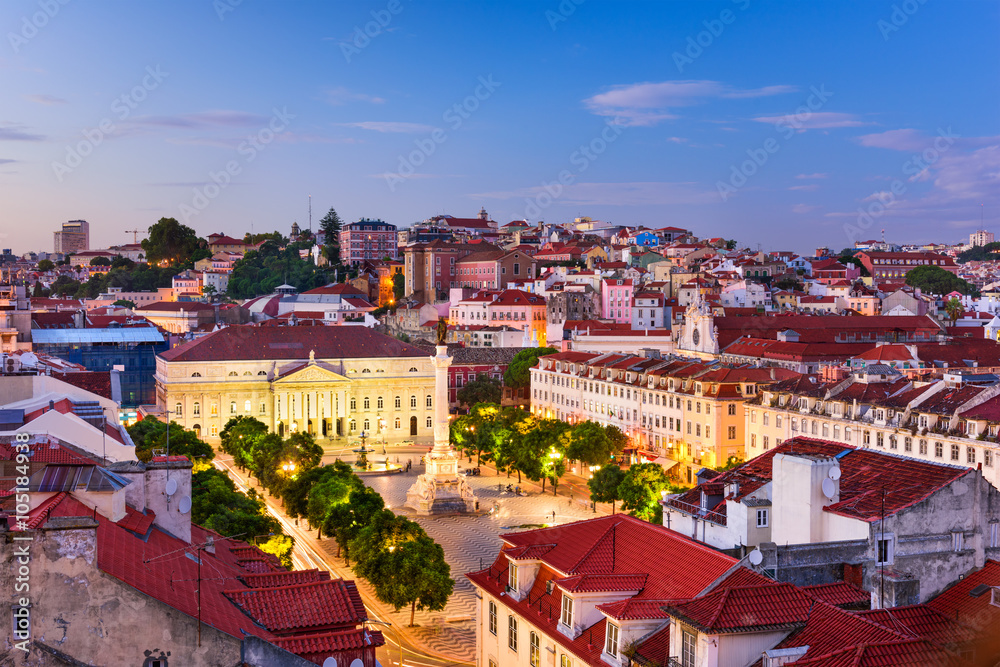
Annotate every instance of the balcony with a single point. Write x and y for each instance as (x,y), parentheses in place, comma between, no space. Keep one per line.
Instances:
(697,511)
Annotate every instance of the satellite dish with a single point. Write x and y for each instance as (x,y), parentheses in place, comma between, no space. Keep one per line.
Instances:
(185,505)
(829,488)
(171,487)
(330,662)
(755,557)
(835,473)
(357,663)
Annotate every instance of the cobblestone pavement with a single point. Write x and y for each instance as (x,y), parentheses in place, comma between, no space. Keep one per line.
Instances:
(470,542)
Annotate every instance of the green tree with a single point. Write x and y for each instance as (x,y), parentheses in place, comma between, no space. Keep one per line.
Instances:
(640,491)
(150,434)
(100,261)
(330,226)
(954,309)
(295,495)
(124,303)
(518,373)
(979,253)
(604,485)
(398,286)
(403,564)
(38,291)
(323,496)
(483,389)
(46,265)
(210,291)
(120,262)
(935,280)
(170,241)
(346,520)
(540,453)
(239,432)
(594,443)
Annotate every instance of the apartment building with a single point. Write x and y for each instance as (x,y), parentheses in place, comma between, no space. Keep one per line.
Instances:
(678,412)
(514,308)
(430,268)
(368,240)
(493,269)
(893,266)
(952,420)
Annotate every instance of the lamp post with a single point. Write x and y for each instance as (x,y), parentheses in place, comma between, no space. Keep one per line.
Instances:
(399,638)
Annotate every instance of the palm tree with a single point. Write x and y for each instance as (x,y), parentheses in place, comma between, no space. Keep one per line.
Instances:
(954,309)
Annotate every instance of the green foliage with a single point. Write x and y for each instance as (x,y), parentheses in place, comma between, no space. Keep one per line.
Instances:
(640,491)
(333,491)
(218,506)
(38,290)
(935,280)
(295,494)
(46,265)
(789,284)
(280,546)
(483,389)
(605,485)
(954,309)
(330,226)
(594,444)
(540,452)
(518,374)
(260,271)
(64,286)
(847,258)
(124,303)
(403,564)
(345,521)
(731,462)
(398,286)
(150,434)
(122,263)
(100,261)
(239,429)
(979,253)
(171,241)
(403,337)
(731,244)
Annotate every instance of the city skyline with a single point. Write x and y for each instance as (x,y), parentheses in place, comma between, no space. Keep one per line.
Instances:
(772,124)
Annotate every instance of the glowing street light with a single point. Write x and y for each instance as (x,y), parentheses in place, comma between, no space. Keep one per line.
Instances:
(288,467)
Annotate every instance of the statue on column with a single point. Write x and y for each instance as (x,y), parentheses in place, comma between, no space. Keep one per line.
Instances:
(442,331)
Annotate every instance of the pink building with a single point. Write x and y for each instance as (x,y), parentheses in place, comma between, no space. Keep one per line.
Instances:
(616,299)
(513,308)
(368,240)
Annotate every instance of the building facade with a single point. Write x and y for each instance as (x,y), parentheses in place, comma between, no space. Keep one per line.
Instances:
(72,238)
(328,381)
(368,240)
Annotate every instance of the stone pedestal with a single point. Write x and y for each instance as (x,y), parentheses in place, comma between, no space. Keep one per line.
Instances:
(440,490)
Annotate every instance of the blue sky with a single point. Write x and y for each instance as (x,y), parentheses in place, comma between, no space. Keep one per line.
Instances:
(773,123)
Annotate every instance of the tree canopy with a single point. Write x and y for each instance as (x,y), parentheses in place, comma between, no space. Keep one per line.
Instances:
(150,434)
(260,271)
(935,280)
(330,226)
(483,389)
(171,241)
(46,265)
(980,253)
(604,485)
(640,490)
(518,373)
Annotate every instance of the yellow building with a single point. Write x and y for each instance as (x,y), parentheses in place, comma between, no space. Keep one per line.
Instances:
(331,381)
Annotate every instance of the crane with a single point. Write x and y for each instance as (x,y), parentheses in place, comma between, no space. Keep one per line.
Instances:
(135,234)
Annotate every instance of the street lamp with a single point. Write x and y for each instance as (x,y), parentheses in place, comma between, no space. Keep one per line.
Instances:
(288,467)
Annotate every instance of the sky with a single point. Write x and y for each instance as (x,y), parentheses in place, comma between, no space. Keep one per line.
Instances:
(788,125)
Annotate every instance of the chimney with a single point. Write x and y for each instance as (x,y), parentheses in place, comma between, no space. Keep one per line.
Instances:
(801,486)
(78,322)
(168,494)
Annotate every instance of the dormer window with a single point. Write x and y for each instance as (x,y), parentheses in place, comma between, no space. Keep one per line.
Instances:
(611,640)
(512,578)
(566,618)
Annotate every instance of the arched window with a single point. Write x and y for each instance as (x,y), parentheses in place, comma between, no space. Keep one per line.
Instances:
(399,402)
(398,424)
(232,407)
(354,404)
(232,374)
(430,422)
(367,370)
(263,407)
(413,402)
(378,403)
(197,430)
(353,426)
(367,425)
(215,410)
(245,373)
(196,409)
(261,372)
(196,375)
(429,400)
(178,409)
(246,406)
(368,403)
(413,369)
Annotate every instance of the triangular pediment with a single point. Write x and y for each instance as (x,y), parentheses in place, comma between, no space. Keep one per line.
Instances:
(313,372)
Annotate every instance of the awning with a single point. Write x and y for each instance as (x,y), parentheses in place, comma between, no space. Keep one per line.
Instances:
(665,462)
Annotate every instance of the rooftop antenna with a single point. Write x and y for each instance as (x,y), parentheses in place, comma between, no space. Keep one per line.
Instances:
(310,214)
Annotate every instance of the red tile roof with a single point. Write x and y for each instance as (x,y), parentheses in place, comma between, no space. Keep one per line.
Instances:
(246,342)
(839,593)
(594,583)
(321,604)
(136,521)
(977,612)
(746,608)
(901,653)
(317,647)
(921,621)
(284,578)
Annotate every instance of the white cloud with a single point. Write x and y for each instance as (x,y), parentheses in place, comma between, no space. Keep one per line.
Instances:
(340,95)
(644,104)
(812,187)
(47,100)
(391,127)
(804,208)
(810,176)
(820,120)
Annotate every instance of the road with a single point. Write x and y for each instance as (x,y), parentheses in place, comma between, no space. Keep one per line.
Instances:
(306,556)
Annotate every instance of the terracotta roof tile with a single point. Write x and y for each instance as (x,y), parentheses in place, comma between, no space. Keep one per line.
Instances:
(321,604)
(285,578)
(746,608)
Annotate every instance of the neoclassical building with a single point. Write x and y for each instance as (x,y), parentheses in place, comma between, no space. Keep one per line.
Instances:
(334,381)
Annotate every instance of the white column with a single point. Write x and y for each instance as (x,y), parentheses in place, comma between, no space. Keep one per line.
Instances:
(441,363)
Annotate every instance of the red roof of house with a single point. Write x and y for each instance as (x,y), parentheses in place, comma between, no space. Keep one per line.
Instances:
(746,608)
(271,579)
(921,621)
(899,653)
(247,342)
(136,521)
(973,610)
(328,604)
(336,288)
(839,593)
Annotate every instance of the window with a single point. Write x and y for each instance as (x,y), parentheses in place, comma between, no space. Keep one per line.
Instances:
(884,551)
(367,403)
(232,407)
(399,402)
(214,430)
(429,401)
(988,458)
(366,426)
(493,618)
(378,403)
(732,409)
(567,611)
(957,540)
(430,422)
(611,640)
(688,645)
(196,375)
(215,410)
(232,374)
(732,433)
(762,518)
(512,633)
(196,409)
(512,578)
(178,409)
(534,650)
(354,404)
(954,452)
(907,444)
(777,421)
(413,402)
